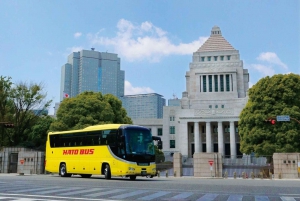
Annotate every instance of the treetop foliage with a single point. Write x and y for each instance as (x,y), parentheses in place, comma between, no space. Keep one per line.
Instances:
(21,104)
(268,98)
(89,108)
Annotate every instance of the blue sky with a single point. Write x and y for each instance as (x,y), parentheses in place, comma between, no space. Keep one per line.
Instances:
(155,39)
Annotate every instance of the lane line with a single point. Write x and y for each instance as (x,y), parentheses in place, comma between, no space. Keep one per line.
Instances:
(126,195)
(208,197)
(155,195)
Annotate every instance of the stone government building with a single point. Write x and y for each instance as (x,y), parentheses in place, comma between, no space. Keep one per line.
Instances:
(206,118)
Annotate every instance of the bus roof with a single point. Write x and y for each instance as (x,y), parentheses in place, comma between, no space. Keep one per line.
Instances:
(92,128)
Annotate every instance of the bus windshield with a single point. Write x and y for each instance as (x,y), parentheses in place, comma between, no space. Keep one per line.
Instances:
(139,141)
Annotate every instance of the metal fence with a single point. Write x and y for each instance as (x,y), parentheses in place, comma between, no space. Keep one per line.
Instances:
(247,166)
(243,166)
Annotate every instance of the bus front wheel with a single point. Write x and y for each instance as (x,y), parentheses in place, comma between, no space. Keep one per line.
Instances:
(107,173)
(63,170)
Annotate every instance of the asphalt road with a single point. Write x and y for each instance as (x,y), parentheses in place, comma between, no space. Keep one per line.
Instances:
(53,187)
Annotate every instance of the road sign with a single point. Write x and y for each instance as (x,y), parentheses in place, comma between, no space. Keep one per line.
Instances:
(211,163)
(283,118)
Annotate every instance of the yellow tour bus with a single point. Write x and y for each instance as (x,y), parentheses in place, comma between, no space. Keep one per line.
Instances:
(109,150)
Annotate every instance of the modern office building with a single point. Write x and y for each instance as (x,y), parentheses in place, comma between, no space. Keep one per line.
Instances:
(216,92)
(144,106)
(90,70)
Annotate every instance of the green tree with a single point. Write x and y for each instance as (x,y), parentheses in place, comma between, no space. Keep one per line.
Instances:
(271,97)
(37,134)
(89,108)
(6,107)
(159,155)
(28,105)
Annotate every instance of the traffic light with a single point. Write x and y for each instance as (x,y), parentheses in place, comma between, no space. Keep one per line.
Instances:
(9,125)
(271,121)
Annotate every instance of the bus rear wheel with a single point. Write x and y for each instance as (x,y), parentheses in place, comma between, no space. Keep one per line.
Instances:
(132,177)
(107,172)
(63,170)
(85,175)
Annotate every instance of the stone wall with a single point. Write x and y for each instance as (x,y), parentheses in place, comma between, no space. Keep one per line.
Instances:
(203,168)
(286,165)
(21,160)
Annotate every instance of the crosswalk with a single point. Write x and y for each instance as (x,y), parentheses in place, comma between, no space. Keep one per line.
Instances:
(23,193)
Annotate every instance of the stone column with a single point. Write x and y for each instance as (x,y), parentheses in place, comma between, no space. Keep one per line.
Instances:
(196,137)
(220,138)
(208,138)
(234,82)
(232,140)
(183,136)
(201,83)
(207,83)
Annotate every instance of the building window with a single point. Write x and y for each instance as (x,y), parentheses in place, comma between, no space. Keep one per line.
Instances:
(216,106)
(172,118)
(216,58)
(210,83)
(215,129)
(202,58)
(172,129)
(228,57)
(159,132)
(210,106)
(222,58)
(236,129)
(222,106)
(226,129)
(222,82)
(204,83)
(208,58)
(172,143)
(227,83)
(216,83)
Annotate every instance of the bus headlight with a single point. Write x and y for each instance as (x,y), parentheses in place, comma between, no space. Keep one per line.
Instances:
(153,169)
(131,168)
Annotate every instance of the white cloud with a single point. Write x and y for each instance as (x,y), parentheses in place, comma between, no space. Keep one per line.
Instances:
(145,41)
(265,70)
(130,90)
(271,58)
(267,64)
(77,34)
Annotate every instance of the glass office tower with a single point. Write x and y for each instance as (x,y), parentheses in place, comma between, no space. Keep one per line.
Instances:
(89,70)
(144,106)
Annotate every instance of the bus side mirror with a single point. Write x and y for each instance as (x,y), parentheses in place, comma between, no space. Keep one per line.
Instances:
(159,143)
